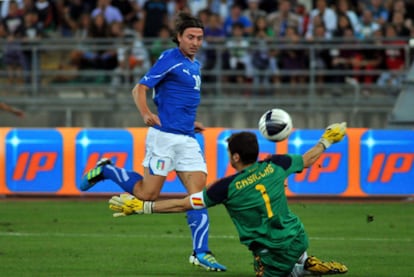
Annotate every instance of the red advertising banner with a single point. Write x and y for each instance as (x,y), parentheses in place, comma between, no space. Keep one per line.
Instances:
(52,161)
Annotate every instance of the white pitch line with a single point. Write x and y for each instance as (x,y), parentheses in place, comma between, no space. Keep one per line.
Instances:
(171,236)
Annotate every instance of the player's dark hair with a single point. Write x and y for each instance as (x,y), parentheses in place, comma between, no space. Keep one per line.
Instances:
(245,144)
(183,21)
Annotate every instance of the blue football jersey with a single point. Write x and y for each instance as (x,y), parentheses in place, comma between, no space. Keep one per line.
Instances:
(176,81)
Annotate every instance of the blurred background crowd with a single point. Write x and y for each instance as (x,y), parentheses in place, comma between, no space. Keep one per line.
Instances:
(132,34)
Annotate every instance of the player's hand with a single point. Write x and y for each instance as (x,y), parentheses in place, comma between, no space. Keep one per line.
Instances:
(127,204)
(198,127)
(151,119)
(333,134)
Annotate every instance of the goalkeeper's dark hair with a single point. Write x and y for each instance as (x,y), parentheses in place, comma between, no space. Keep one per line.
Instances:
(245,144)
(183,21)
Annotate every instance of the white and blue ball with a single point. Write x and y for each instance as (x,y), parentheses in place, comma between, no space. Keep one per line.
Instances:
(275,125)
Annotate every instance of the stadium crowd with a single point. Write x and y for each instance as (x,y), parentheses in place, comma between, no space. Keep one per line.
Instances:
(247,30)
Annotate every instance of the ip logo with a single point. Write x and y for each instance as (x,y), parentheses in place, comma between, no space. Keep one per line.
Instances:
(329,175)
(387,162)
(34,160)
(92,145)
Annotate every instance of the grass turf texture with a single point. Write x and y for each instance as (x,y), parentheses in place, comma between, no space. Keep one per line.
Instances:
(81,238)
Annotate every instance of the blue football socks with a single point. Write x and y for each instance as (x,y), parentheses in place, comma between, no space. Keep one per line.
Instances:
(125,179)
(199,224)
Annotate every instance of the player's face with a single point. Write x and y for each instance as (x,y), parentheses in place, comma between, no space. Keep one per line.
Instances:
(190,41)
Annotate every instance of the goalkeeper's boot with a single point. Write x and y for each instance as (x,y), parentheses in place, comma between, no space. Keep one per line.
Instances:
(207,261)
(318,267)
(94,175)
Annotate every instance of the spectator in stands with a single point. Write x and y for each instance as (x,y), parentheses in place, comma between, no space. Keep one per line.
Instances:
(69,15)
(261,55)
(99,27)
(327,15)
(133,58)
(373,58)
(236,17)
(214,36)
(399,24)
(367,25)
(33,32)
(110,13)
(155,17)
(379,12)
(303,13)
(102,58)
(403,7)
(237,56)
(5,6)
(283,18)
(47,14)
(253,10)
(322,54)
(161,43)
(292,59)
(220,7)
(13,55)
(345,7)
(127,10)
(28,5)
(32,29)
(83,26)
(194,7)
(343,23)
(316,22)
(347,59)
(394,56)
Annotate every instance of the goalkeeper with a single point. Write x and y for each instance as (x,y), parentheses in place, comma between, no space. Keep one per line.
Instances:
(256,202)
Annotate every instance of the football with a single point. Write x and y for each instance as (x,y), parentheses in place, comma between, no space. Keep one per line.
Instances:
(275,125)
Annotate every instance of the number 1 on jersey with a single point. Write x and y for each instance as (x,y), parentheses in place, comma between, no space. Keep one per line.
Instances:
(266,199)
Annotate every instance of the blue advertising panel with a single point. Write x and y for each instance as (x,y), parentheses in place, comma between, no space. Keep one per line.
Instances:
(387,162)
(330,173)
(94,144)
(173,183)
(223,162)
(34,160)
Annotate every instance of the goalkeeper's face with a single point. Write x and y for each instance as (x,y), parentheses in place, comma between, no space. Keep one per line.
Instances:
(190,41)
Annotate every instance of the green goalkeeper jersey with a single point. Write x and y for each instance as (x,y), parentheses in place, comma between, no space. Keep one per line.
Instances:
(256,201)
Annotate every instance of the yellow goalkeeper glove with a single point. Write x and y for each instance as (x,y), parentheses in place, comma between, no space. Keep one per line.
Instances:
(333,134)
(127,204)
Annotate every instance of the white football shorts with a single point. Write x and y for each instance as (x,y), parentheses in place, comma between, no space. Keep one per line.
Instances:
(165,152)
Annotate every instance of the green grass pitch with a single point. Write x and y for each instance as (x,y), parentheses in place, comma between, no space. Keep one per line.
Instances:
(61,237)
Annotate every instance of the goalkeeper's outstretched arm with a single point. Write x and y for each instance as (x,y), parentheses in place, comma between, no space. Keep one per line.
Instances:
(127,204)
(172,205)
(333,133)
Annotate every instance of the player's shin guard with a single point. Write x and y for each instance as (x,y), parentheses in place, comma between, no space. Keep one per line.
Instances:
(125,179)
(199,224)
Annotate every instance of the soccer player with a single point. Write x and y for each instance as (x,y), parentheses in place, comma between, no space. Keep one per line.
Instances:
(170,144)
(256,202)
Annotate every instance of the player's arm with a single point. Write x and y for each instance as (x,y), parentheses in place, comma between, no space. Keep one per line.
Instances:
(173,205)
(10,109)
(139,93)
(333,134)
(127,204)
